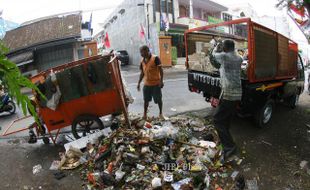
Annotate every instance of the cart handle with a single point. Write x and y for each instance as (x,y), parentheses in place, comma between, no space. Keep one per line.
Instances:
(16,131)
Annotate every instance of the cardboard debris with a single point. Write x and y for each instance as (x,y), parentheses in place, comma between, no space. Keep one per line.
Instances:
(90,138)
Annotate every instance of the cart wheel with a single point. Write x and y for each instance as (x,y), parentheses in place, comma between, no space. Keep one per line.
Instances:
(46,140)
(85,124)
(263,116)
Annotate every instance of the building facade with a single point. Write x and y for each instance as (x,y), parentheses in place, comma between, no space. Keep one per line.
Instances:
(277,23)
(137,22)
(47,42)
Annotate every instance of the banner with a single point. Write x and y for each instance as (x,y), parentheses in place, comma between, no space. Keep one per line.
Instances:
(300,17)
(300,11)
(213,20)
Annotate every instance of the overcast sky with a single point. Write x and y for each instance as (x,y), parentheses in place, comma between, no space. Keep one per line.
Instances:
(24,10)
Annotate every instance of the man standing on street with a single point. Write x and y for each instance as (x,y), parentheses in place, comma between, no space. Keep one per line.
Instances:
(229,64)
(152,73)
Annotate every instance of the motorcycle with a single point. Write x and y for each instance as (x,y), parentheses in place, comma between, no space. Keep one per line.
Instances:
(7,104)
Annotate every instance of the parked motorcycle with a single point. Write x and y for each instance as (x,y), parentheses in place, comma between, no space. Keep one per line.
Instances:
(7,104)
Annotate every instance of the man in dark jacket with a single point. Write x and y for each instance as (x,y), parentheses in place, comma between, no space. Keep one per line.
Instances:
(229,64)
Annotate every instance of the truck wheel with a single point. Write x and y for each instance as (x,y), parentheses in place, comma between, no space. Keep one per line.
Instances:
(293,100)
(85,124)
(264,115)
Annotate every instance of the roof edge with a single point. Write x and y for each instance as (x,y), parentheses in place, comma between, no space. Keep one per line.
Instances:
(50,17)
(40,44)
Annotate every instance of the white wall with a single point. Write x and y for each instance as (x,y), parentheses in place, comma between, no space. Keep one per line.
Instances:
(176,9)
(278,24)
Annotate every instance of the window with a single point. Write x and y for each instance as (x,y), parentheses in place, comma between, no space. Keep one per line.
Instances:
(170,6)
(157,5)
(122,11)
(163,5)
(226,17)
(183,11)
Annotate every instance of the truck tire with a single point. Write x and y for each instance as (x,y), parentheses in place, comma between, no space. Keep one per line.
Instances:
(264,115)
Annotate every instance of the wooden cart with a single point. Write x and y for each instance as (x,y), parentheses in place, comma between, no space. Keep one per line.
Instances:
(90,88)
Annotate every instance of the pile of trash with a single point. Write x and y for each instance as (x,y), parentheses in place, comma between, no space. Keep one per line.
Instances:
(180,153)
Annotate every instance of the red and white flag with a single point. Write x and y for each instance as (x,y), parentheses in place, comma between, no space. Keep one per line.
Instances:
(298,10)
(141,32)
(107,41)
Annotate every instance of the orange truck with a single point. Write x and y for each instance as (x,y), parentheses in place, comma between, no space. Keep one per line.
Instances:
(272,70)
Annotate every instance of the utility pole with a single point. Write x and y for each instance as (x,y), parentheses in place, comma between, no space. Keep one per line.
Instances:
(147,17)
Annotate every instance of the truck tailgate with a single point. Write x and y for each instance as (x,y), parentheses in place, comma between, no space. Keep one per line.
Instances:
(209,85)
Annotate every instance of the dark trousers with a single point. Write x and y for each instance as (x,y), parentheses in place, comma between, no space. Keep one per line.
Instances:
(222,118)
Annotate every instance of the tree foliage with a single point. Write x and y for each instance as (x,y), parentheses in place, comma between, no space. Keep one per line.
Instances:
(12,80)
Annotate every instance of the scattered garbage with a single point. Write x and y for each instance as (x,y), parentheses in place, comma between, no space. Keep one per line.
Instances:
(240,183)
(303,165)
(59,175)
(179,184)
(156,182)
(37,169)
(180,153)
(234,175)
(239,161)
(70,159)
(119,174)
(267,143)
(55,165)
(173,109)
(82,142)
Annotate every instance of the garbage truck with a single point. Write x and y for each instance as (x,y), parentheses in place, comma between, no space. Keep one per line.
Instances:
(272,71)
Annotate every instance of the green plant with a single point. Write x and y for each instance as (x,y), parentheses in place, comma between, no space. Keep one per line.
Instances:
(12,80)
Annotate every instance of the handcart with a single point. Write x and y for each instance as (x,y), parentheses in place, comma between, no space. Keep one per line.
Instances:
(88,89)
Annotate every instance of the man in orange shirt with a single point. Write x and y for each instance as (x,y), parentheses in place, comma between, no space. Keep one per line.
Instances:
(152,73)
